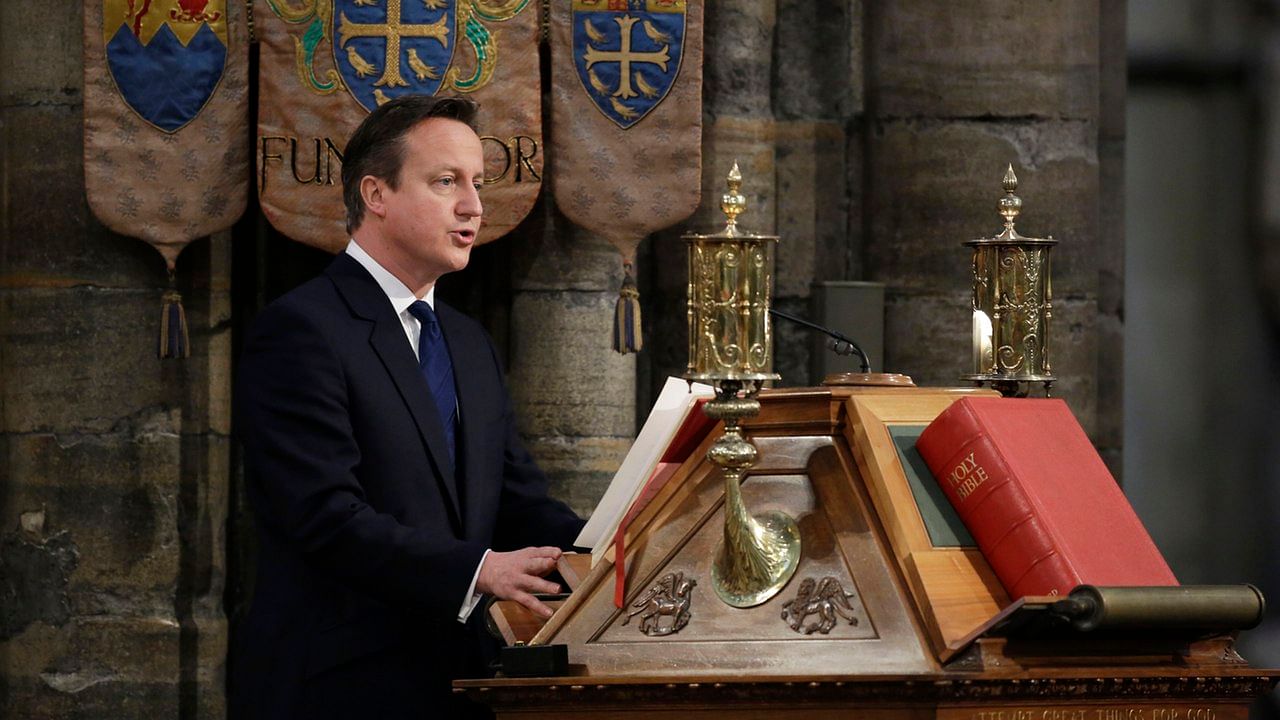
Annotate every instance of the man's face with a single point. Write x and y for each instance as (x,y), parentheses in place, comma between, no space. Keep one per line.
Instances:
(431,218)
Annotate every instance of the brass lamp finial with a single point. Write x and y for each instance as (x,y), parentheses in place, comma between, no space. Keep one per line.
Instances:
(1010,204)
(733,203)
(1012,304)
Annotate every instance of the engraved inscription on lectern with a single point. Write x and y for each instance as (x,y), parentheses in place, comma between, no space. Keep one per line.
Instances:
(1132,712)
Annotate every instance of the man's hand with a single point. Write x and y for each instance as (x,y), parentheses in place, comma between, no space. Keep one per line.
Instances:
(516,575)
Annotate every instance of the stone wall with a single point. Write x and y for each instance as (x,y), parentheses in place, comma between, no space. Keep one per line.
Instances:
(574,396)
(114,464)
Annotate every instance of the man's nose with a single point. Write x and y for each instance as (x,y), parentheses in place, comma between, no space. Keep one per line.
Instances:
(469,205)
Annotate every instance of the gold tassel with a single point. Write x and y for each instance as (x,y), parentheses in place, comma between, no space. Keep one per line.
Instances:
(174,341)
(626,316)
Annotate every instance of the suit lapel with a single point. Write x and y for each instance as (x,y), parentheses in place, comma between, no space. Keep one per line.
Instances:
(391,346)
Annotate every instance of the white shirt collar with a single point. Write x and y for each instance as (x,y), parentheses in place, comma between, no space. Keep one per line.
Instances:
(398,293)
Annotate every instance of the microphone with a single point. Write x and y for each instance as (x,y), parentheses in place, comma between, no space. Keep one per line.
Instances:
(842,345)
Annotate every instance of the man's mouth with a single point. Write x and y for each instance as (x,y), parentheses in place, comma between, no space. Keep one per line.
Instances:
(464,235)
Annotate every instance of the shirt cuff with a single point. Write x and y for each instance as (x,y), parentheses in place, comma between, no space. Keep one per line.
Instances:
(472,597)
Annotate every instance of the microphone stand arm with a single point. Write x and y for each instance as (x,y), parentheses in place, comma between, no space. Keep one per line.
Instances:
(851,346)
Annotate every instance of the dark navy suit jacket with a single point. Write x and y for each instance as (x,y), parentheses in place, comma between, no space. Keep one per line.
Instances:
(368,540)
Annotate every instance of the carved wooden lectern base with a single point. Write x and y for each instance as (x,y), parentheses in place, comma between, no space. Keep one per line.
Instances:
(885,617)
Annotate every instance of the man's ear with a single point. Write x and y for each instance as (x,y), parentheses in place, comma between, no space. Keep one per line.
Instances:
(371,192)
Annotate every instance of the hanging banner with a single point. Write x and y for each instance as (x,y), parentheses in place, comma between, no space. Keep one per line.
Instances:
(165,125)
(325,64)
(626,115)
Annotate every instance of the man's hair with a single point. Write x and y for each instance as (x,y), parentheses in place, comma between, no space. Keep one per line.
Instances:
(377,147)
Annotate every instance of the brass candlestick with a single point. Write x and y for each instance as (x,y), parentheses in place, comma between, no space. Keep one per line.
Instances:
(1012,304)
(731,348)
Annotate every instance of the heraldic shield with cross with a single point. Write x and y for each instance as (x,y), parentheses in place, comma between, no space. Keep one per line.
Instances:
(388,48)
(627,53)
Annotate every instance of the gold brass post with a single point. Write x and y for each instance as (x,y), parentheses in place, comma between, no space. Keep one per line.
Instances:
(759,554)
(731,348)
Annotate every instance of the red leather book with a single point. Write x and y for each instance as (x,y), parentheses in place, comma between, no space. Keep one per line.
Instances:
(1038,500)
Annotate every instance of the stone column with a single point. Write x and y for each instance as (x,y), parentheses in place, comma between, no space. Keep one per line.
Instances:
(955,92)
(112,501)
(817,94)
(575,398)
(1112,81)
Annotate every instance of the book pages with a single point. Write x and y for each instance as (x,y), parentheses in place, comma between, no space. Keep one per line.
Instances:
(668,414)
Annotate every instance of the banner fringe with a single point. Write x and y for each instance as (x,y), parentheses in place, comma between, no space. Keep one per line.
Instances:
(626,316)
(175,343)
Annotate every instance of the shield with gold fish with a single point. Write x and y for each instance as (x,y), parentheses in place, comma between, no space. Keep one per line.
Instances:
(388,48)
(627,53)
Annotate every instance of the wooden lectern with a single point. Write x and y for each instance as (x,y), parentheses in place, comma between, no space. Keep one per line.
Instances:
(890,614)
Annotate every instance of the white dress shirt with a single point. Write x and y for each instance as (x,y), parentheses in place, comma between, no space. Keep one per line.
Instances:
(401,298)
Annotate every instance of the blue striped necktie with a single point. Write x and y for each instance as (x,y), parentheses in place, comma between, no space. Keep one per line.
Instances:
(437,368)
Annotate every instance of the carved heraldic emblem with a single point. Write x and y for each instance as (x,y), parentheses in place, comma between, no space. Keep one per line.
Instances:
(669,598)
(828,602)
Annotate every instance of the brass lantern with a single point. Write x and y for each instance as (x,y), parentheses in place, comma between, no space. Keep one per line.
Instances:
(1012,304)
(731,348)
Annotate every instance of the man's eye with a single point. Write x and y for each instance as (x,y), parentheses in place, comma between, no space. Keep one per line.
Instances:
(477,186)
(445,181)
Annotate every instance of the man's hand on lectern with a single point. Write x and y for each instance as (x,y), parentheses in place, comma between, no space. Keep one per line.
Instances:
(518,574)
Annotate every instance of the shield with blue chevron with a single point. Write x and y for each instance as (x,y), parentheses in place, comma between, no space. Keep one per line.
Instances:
(387,48)
(627,53)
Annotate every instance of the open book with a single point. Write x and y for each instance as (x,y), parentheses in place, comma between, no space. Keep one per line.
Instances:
(662,428)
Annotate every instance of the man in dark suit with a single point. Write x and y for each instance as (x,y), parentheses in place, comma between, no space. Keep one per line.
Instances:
(390,486)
